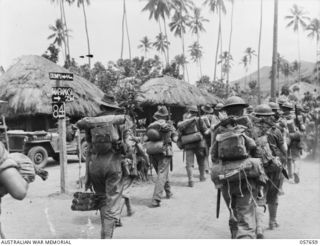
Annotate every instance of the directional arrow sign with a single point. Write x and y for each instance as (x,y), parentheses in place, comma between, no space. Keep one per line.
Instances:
(62,94)
(61,76)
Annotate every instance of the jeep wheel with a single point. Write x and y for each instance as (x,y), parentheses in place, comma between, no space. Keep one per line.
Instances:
(84,150)
(39,156)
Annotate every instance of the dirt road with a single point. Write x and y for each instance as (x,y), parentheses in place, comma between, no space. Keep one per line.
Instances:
(189,214)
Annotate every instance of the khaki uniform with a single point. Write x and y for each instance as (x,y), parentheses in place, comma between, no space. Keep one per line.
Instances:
(161,162)
(239,196)
(201,152)
(105,174)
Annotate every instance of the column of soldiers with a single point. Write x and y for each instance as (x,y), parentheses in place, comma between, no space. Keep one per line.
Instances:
(248,151)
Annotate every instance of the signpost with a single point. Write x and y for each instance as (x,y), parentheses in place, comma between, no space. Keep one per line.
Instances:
(61,95)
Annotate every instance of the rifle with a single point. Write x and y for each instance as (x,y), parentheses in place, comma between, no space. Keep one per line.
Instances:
(218,203)
(297,121)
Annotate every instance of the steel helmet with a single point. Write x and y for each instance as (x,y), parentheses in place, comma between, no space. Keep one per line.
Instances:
(263,110)
(287,105)
(249,109)
(274,106)
(235,101)
(281,100)
(218,107)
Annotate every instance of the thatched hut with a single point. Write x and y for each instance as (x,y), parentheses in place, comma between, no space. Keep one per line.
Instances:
(27,88)
(174,93)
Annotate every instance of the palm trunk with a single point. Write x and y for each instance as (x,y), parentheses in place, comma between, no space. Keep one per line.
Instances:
(87,34)
(128,37)
(259,48)
(199,61)
(221,50)
(275,50)
(317,61)
(216,57)
(165,32)
(229,48)
(67,36)
(122,30)
(299,56)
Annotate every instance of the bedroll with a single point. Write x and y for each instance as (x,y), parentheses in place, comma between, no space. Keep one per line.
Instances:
(234,170)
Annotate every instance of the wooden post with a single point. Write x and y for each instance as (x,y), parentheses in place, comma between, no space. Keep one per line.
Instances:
(79,154)
(6,132)
(62,150)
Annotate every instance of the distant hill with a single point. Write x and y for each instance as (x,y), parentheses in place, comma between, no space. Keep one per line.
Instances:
(306,72)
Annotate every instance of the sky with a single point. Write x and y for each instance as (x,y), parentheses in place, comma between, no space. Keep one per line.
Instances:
(24,30)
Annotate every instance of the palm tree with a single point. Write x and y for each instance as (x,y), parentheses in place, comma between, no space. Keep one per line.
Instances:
(125,26)
(285,69)
(81,3)
(297,20)
(196,26)
(226,63)
(259,52)
(230,39)
(162,44)
(314,33)
(59,35)
(145,45)
(159,9)
(217,6)
(180,60)
(244,62)
(196,54)
(274,51)
(64,22)
(178,27)
(250,53)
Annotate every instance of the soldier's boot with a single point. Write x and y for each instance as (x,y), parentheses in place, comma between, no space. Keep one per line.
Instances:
(259,222)
(190,176)
(290,174)
(273,216)
(281,192)
(130,211)
(107,228)
(233,225)
(296,172)
(202,173)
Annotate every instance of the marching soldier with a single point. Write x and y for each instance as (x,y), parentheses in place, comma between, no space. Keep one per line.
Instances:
(107,137)
(281,124)
(230,151)
(294,141)
(209,120)
(160,135)
(191,136)
(271,150)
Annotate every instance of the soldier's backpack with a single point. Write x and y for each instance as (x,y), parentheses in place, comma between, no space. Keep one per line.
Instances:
(160,134)
(104,137)
(231,145)
(103,130)
(191,132)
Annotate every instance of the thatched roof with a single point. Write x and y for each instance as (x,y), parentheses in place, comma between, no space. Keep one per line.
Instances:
(27,88)
(174,92)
